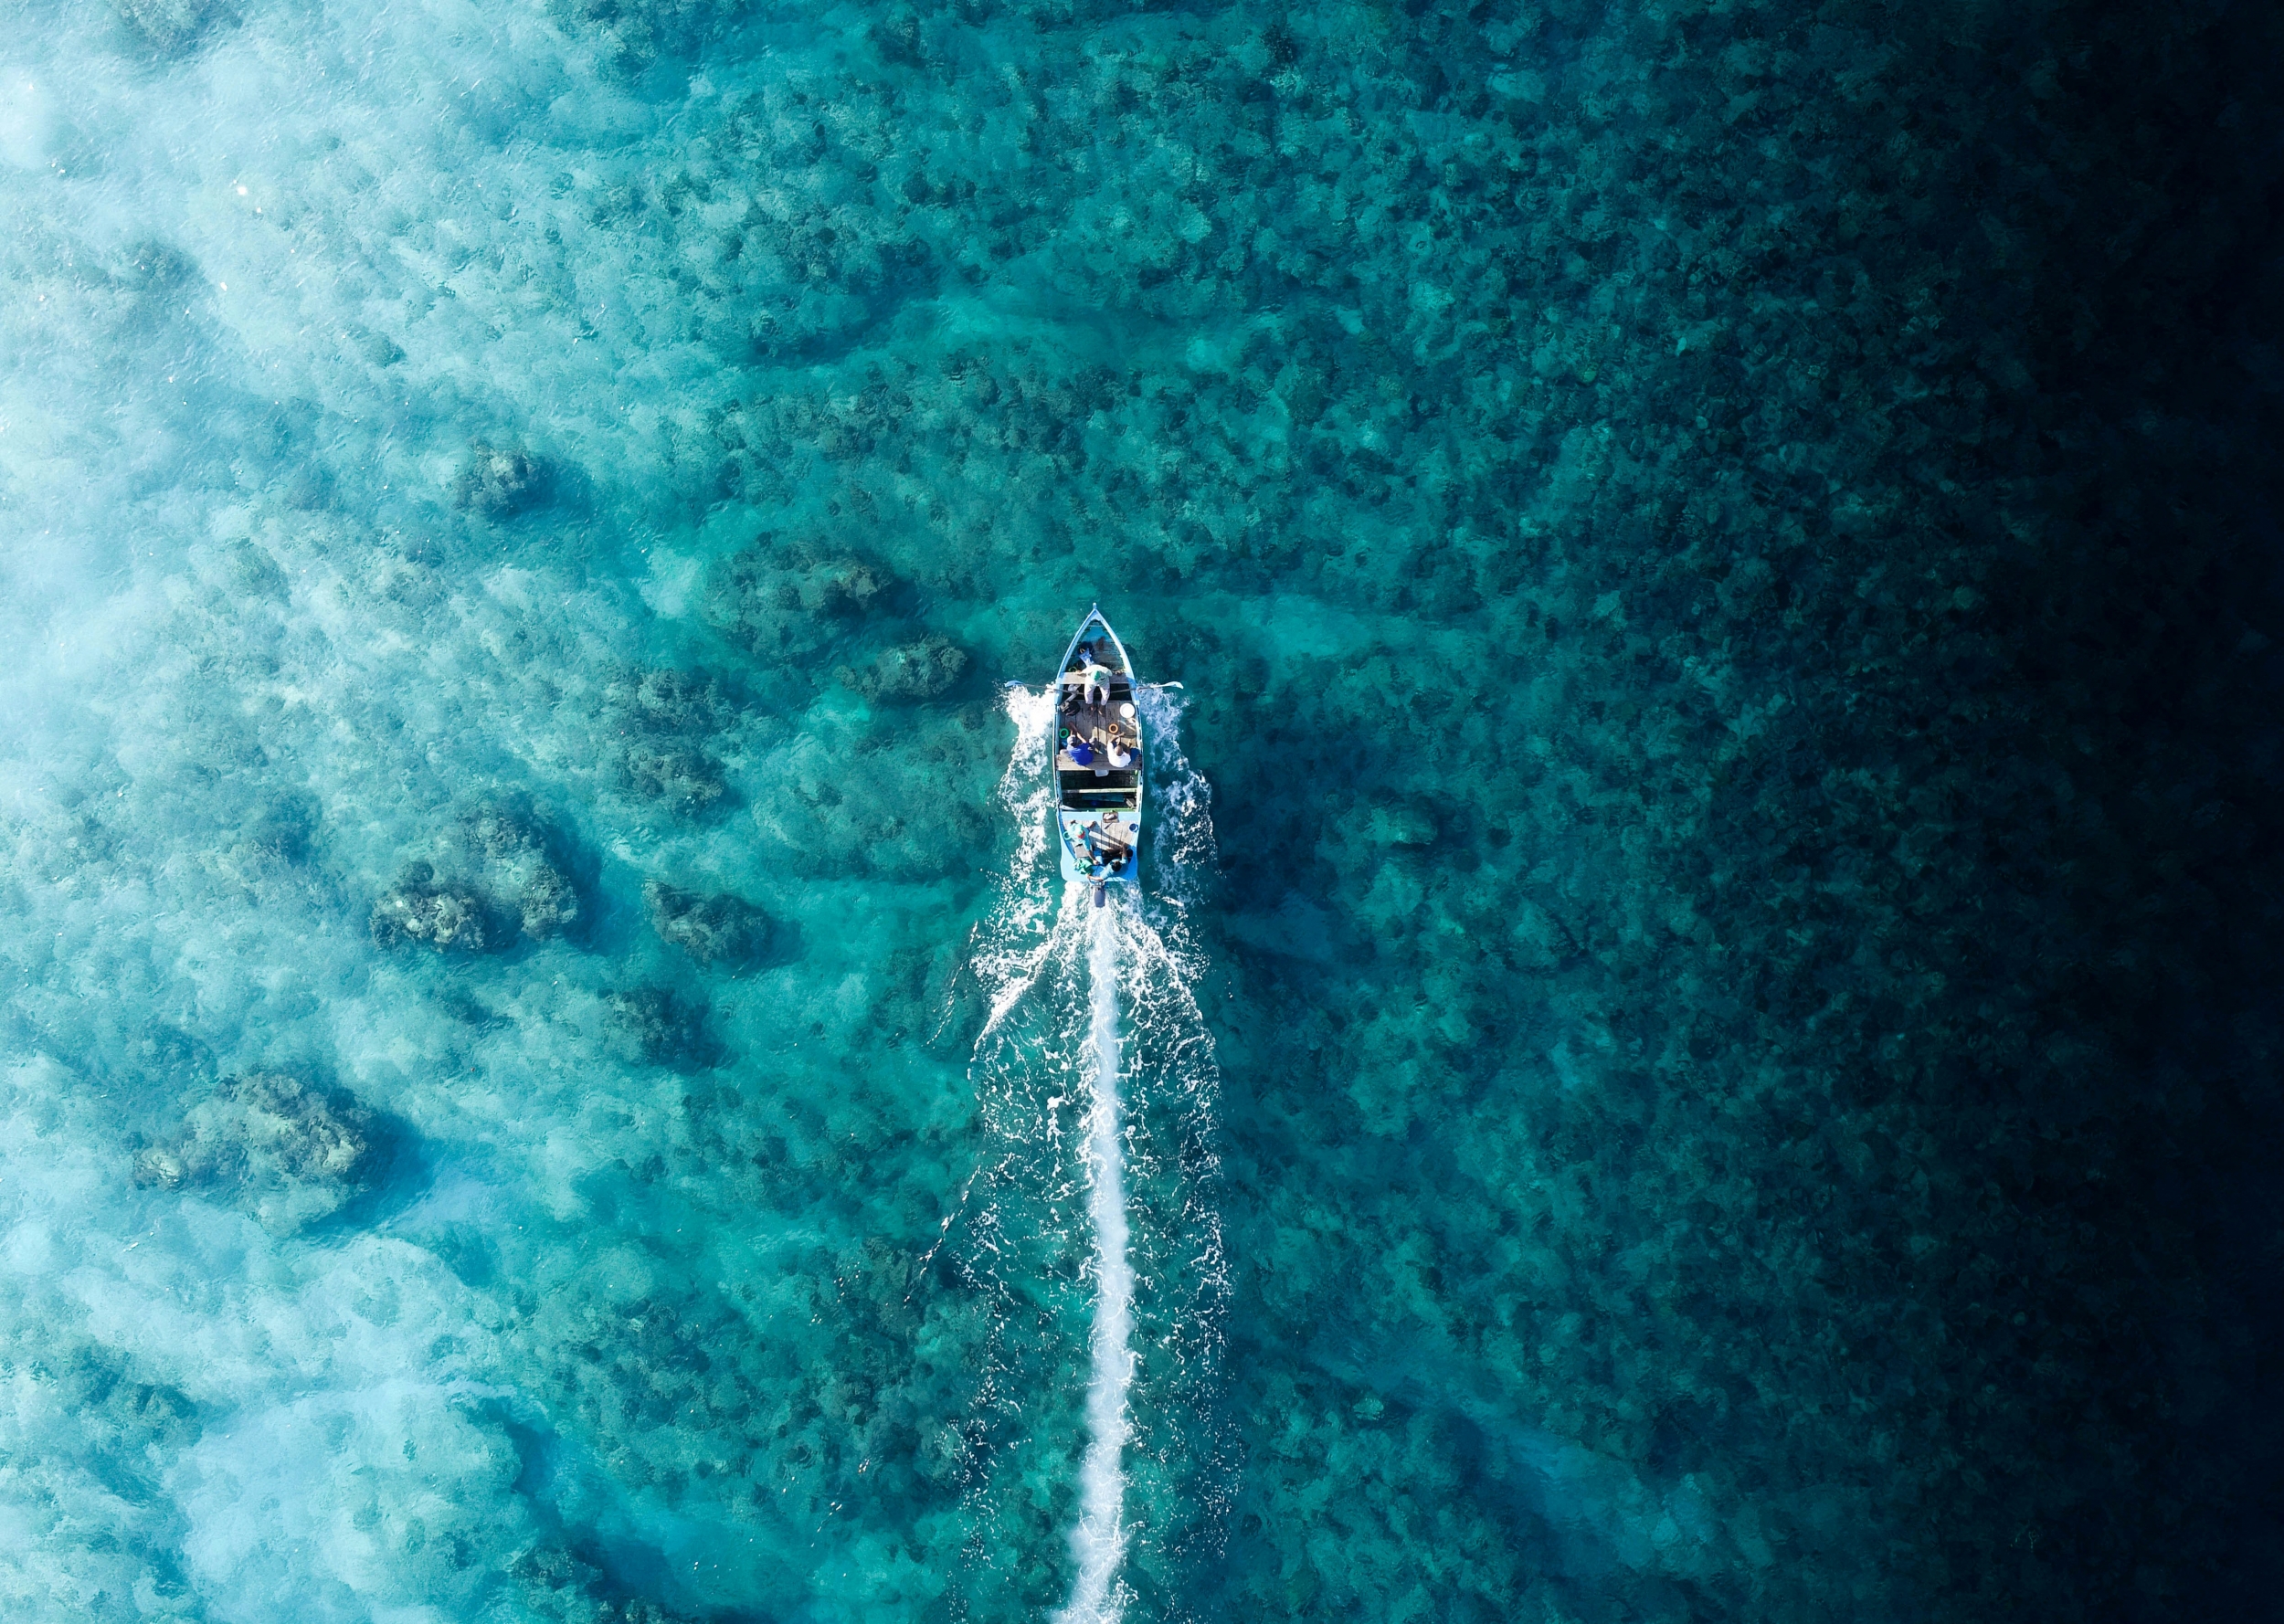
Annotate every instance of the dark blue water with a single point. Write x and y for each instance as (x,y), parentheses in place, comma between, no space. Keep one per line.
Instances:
(1699,1042)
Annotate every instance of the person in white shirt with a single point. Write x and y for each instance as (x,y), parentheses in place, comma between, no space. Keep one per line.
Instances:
(1095,676)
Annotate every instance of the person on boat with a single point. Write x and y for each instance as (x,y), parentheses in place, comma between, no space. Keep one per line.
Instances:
(1081,751)
(1093,675)
(1090,844)
(1108,842)
(1120,756)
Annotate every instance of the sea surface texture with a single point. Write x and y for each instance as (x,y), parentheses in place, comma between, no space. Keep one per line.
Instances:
(1699,1040)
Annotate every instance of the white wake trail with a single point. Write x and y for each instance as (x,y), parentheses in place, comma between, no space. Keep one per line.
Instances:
(1090,1032)
(1099,1540)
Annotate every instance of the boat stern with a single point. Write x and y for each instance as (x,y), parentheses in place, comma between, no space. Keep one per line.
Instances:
(1086,845)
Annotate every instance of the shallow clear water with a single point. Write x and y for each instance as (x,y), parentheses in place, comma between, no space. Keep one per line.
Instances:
(1687,1050)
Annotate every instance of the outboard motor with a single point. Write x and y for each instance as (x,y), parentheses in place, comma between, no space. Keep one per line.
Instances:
(1101,892)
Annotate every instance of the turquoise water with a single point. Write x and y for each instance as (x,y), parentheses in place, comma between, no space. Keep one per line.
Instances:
(1695,1045)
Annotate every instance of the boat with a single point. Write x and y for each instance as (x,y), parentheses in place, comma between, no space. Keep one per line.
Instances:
(1094,756)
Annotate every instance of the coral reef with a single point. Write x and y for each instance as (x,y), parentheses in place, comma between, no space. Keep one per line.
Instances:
(921,671)
(785,602)
(680,775)
(672,701)
(497,480)
(634,34)
(559,1586)
(663,719)
(522,864)
(445,914)
(292,1150)
(168,27)
(666,1030)
(519,883)
(714,930)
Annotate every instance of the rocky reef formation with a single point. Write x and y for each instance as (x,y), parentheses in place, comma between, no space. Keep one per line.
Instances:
(924,670)
(665,723)
(714,930)
(790,601)
(511,879)
(525,865)
(497,481)
(665,1028)
(290,1150)
(169,28)
(634,35)
(442,914)
(560,1586)
(681,775)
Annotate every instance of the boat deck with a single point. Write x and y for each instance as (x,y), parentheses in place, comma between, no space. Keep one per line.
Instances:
(1098,806)
(1101,726)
